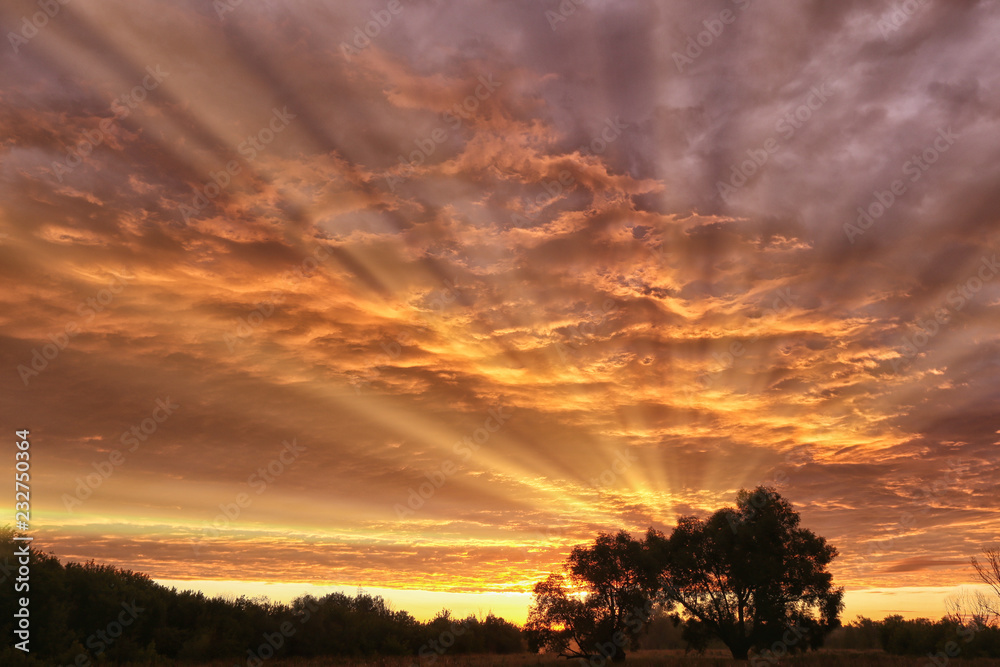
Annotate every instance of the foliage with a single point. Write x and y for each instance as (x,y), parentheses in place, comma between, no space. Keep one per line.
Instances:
(751,577)
(601,603)
(946,638)
(78,609)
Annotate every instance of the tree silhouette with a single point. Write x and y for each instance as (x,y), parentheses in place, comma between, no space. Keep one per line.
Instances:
(76,613)
(988,572)
(750,576)
(979,608)
(599,606)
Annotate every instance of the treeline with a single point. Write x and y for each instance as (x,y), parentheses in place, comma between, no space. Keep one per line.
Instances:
(93,614)
(919,637)
(893,634)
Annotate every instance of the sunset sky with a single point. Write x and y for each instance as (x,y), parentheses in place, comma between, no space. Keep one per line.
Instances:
(414,295)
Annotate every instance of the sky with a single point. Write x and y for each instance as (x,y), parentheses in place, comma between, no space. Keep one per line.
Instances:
(415,295)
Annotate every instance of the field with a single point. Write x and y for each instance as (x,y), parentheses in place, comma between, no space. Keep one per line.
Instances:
(640,659)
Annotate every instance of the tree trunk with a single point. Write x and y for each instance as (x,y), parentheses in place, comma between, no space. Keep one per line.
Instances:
(739,650)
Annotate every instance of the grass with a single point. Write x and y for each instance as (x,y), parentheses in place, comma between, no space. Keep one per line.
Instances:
(824,658)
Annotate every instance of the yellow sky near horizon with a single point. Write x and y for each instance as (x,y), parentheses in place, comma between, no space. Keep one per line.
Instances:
(929,602)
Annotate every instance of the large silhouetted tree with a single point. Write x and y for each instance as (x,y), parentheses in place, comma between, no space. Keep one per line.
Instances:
(750,576)
(600,604)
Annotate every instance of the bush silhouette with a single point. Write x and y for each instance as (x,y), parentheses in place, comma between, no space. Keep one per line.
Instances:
(72,606)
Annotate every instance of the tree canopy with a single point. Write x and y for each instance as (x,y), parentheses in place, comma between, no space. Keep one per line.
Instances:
(751,576)
(601,602)
(748,575)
